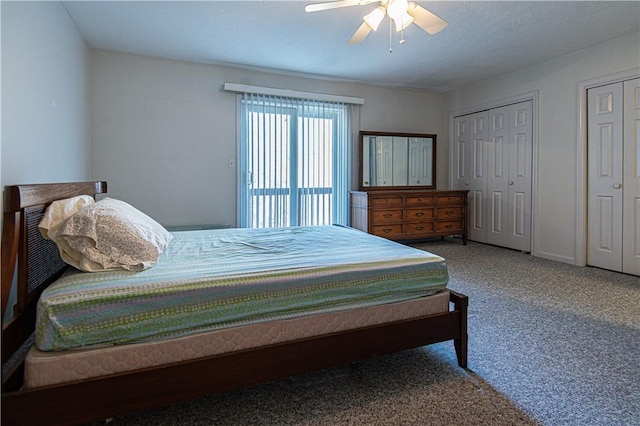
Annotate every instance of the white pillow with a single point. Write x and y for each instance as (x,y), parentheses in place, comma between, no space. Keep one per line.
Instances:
(59,211)
(54,216)
(114,234)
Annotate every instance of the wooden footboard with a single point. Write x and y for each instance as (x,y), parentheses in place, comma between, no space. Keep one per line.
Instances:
(108,396)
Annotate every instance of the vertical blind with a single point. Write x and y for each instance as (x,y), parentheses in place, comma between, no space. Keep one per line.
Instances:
(295,161)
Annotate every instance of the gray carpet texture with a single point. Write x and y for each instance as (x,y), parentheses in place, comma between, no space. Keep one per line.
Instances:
(549,344)
(560,341)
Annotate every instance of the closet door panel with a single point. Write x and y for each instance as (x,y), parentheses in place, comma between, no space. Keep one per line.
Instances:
(520,176)
(520,219)
(460,152)
(631,179)
(605,108)
(497,163)
(496,229)
(477,172)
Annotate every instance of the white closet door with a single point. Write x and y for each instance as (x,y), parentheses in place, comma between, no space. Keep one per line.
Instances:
(497,177)
(509,151)
(469,168)
(493,158)
(631,179)
(518,208)
(476,166)
(462,139)
(605,112)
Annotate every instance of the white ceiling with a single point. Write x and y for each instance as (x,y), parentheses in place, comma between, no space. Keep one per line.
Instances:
(483,39)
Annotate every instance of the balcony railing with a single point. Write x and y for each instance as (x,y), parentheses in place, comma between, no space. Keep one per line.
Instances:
(273,207)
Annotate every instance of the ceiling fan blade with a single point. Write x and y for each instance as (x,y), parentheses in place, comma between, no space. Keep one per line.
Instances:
(335,4)
(425,19)
(360,34)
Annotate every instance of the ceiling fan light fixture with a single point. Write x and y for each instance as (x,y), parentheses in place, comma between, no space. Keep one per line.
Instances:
(403,22)
(402,12)
(374,18)
(396,9)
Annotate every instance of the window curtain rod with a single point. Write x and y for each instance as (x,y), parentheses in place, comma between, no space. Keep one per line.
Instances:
(287,93)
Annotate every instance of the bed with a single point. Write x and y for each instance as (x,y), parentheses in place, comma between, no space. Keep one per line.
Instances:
(43,382)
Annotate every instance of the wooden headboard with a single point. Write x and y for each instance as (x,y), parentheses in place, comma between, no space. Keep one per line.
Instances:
(38,260)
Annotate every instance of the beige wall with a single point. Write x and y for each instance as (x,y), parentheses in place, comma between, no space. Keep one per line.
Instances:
(45,95)
(163,131)
(45,75)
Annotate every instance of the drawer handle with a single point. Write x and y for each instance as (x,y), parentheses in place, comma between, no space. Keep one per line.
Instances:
(387,215)
(387,229)
(419,228)
(419,214)
(448,226)
(449,212)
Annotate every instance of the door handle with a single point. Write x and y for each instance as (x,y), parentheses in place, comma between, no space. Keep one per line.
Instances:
(510,182)
(617,185)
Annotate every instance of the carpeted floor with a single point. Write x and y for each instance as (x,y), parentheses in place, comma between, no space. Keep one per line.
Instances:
(550,344)
(417,387)
(560,341)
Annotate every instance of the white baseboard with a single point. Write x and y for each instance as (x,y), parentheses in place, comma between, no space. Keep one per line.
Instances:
(556,257)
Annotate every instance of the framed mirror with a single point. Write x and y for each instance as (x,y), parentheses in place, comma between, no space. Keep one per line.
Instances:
(397,161)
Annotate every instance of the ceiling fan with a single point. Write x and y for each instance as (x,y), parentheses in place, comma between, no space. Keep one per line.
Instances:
(402,12)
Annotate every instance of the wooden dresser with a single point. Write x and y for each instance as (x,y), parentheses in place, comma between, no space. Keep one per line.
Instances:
(410,214)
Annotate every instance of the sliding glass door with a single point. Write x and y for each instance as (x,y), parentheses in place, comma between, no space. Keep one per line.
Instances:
(294,162)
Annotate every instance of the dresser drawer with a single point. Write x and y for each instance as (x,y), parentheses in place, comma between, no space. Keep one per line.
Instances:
(419,201)
(449,226)
(393,230)
(417,229)
(391,215)
(449,212)
(450,199)
(386,201)
(418,214)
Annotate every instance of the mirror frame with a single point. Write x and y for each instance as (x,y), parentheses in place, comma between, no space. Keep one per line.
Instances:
(364,133)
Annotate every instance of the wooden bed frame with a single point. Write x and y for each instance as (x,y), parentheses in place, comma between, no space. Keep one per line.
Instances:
(39,264)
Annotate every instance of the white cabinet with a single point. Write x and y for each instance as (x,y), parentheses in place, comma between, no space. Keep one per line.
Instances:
(614,177)
(493,153)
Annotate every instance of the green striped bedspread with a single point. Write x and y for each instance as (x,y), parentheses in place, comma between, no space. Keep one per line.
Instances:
(219,278)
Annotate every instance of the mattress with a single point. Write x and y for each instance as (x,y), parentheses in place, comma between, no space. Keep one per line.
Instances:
(208,280)
(48,368)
